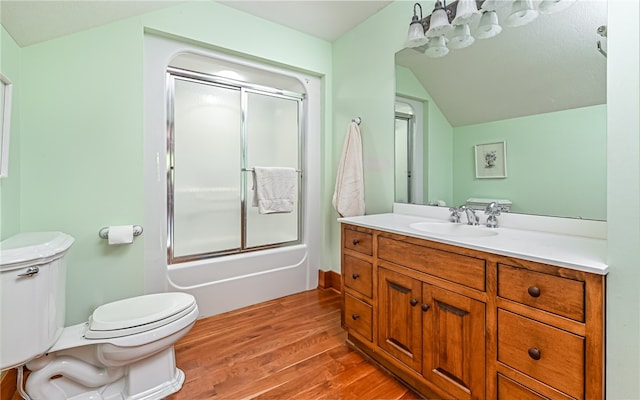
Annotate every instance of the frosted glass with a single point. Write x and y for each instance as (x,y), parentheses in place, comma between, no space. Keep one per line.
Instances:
(272,141)
(207,176)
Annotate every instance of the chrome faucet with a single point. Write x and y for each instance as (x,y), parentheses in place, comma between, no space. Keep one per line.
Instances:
(472,218)
(492,210)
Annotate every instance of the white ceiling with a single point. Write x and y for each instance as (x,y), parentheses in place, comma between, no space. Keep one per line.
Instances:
(328,19)
(30,22)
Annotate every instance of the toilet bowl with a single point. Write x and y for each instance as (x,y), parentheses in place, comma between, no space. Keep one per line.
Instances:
(123,352)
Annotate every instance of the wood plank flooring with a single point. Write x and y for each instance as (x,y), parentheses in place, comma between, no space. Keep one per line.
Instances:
(288,348)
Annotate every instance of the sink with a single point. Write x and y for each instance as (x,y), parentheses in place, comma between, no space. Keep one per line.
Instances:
(451,229)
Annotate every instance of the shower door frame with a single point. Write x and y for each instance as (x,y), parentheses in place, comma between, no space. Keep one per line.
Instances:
(244,88)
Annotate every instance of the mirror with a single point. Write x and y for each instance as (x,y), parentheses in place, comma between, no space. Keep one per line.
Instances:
(539,88)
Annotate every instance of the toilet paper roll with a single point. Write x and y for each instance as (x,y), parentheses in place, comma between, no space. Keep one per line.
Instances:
(121,234)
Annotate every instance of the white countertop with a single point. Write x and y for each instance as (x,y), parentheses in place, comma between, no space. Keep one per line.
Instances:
(571,251)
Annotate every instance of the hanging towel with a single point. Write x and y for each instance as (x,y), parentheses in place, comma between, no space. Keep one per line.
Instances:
(274,189)
(348,197)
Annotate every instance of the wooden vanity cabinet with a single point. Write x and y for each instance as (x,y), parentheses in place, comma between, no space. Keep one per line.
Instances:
(357,283)
(463,324)
(550,330)
(436,332)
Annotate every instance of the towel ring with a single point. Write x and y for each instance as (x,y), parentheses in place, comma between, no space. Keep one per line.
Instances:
(357,120)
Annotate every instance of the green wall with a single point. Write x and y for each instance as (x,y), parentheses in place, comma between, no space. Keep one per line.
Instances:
(364,85)
(10,186)
(82,132)
(81,160)
(623,200)
(556,163)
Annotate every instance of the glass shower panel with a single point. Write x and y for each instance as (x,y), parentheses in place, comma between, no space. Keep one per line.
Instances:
(206,168)
(272,138)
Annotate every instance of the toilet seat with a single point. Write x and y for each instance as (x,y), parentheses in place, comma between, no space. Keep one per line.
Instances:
(138,314)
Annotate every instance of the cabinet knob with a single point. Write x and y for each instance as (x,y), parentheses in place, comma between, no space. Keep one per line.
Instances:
(355,242)
(534,353)
(355,276)
(425,307)
(355,316)
(413,302)
(534,291)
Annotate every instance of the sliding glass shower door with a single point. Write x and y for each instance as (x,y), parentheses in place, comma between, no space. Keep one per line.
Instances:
(273,139)
(218,131)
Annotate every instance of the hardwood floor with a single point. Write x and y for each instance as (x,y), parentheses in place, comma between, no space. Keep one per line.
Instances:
(289,348)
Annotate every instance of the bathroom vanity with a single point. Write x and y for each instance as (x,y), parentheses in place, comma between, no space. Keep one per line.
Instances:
(476,313)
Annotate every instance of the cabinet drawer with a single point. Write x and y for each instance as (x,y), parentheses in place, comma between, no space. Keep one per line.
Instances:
(464,270)
(545,353)
(510,390)
(358,241)
(358,275)
(357,316)
(557,295)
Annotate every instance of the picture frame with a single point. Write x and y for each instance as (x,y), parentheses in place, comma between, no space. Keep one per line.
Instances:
(5,124)
(491,160)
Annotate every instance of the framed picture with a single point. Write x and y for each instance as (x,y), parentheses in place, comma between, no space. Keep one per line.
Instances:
(491,160)
(5,124)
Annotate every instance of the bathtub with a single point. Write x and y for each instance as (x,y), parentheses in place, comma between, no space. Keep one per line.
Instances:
(230,282)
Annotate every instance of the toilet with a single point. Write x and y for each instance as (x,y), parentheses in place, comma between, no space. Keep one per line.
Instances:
(123,352)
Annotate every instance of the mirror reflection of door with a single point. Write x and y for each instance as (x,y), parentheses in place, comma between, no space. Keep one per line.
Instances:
(408,161)
(404,146)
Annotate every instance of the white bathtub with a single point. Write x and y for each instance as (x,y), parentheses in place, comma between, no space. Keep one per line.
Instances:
(226,283)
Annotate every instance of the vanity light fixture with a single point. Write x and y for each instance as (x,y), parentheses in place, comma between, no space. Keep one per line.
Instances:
(437,47)
(553,6)
(439,21)
(522,12)
(416,36)
(461,37)
(460,22)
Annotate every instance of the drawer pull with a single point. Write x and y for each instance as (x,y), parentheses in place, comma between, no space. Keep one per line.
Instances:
(355,276)
(534,291)
(355,242)
(413,302)
(355,316)
(425,307)
(534,353)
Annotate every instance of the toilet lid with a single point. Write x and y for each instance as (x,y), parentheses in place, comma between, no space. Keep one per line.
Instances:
(138,314)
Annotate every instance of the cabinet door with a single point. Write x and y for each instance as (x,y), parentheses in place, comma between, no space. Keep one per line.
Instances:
(454,342)
(400,317)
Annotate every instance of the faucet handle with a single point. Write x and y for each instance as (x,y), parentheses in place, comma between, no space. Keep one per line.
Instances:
(455,214)
(492,209)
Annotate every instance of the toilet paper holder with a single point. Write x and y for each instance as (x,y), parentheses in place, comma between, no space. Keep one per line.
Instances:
(104,232)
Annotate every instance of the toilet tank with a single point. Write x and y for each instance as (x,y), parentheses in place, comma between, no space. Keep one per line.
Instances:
(32,294)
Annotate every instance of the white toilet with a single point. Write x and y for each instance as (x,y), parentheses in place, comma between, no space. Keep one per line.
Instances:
(125,350)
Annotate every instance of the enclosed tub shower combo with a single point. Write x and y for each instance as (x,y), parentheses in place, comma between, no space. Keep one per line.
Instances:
(226,121)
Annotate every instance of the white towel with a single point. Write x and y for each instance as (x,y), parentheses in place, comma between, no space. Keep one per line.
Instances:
(274,189)
(348,197)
